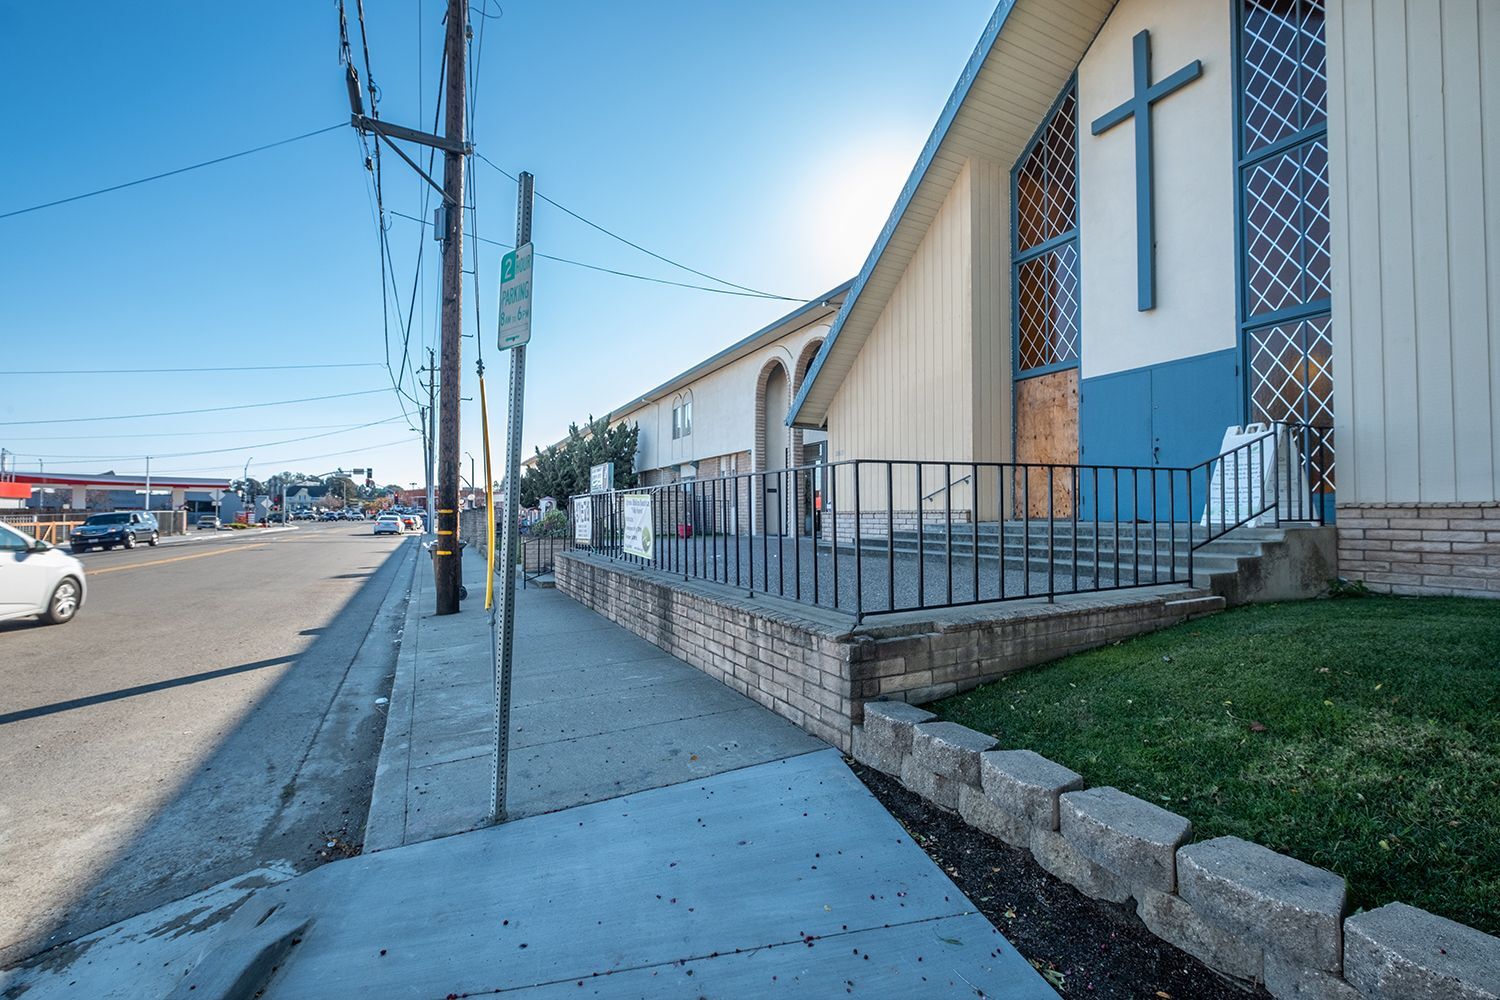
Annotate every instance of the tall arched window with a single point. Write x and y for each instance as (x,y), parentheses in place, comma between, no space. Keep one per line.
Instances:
(1044,251)
(1282,146)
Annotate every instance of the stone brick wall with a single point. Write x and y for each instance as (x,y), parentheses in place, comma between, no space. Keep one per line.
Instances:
(796,668)
(819,671)
(1449,549)
(1239,908)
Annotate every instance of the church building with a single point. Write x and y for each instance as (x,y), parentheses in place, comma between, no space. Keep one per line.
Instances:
(1137,224)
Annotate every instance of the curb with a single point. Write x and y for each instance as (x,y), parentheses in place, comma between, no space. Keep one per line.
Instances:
(385,824)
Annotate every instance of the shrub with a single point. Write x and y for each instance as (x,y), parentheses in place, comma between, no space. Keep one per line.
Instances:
(554,524)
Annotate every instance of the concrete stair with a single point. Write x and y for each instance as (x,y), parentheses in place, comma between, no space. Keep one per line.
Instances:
(1288,562)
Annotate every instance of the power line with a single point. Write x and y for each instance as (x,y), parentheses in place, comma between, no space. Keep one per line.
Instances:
(176,434)
(610,270)
(173,371)
(211,451)
(179,413)
(171,173)
(637,246)
(286,461)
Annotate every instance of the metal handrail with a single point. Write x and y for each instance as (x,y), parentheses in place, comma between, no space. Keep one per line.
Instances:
(945,488)
(859,535)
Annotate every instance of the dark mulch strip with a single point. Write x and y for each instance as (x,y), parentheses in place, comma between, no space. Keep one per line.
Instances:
(1099,949)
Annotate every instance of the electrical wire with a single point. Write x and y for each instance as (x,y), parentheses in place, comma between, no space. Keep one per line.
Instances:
(637,246)
(610,270)
(286,461)
(170,173)
(175,371)
(176,434)
(179,413)
(210,451)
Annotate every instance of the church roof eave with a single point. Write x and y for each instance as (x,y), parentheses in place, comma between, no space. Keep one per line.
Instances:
(1023,59)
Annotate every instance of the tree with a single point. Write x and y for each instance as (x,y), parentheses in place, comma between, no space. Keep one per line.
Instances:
(250,488)
(562,470)
(342,487)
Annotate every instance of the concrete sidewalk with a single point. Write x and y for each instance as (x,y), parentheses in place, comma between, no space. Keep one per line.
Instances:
(674,839)
(596,713)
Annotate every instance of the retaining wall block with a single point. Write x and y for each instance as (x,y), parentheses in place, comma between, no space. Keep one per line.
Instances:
(1174,920)
(938,789)
(951,750)
(891,722)
(1131,837)
(1400,951)
(1063,860)
(1026,784)
(1286,981)
(979,811)
(1292,908)
(875,753)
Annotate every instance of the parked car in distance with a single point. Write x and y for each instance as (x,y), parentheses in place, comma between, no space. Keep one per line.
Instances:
(388,524)
(208,521)
(37,579)
(125,528)
(413,522)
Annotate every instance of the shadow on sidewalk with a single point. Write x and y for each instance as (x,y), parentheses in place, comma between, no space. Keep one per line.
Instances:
(297,765)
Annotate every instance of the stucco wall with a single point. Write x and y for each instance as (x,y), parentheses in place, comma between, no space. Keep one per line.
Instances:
(1194,188)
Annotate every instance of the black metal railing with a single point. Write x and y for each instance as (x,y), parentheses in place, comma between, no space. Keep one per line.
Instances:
(863,536)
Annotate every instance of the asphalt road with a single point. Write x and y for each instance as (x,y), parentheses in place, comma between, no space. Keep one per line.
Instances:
(212,709)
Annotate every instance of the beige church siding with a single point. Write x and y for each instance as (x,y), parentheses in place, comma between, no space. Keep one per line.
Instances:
(1414,137)
(1194,188)
(906,394)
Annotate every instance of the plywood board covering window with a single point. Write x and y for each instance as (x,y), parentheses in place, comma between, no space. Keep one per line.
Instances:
(1047,433)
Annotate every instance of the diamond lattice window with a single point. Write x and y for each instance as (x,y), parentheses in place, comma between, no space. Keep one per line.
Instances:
(1045,254)
(1286,257)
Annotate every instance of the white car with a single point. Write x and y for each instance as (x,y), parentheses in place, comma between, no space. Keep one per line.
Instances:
(37,579)
(388,524)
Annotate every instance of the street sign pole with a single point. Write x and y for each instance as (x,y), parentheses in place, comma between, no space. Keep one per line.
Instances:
(513,276)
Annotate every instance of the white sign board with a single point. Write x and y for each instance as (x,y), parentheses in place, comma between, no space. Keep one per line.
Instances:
(515,298)
(1238,490)
(602,478)
(583,521)
(639,540)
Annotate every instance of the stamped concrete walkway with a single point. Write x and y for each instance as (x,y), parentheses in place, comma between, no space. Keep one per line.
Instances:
(597,712)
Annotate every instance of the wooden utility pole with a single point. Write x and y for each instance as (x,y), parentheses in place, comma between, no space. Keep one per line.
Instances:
(445,551)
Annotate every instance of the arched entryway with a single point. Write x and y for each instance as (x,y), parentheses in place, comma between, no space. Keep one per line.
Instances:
(808,448)
(772,397)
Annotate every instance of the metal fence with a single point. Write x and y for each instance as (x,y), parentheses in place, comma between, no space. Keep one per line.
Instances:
(873,536)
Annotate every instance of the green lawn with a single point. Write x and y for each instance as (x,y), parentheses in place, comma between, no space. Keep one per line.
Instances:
(1380,753)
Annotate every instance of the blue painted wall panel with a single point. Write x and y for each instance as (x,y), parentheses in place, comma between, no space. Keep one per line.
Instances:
(1160,416)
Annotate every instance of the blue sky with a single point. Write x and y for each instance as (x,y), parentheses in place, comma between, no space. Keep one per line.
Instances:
(763,143)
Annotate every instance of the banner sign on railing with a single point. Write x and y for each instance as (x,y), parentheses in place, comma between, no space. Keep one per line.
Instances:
(1249,456)
(583,520)
(602,477)
(636,515)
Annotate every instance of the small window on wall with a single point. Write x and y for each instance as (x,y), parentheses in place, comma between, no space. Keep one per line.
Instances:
(682,418)
(1044,254)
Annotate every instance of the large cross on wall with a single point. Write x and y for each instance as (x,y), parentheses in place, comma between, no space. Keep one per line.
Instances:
(1138,106)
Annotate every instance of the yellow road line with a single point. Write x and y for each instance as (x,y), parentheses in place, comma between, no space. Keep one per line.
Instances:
(163,562)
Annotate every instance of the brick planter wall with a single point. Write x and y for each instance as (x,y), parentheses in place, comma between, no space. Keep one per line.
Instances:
(797,668)
(819,671)
(1239,908)
(1449,549)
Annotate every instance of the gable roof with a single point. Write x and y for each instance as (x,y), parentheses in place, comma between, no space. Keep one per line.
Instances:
(1024,57)
(804,315)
